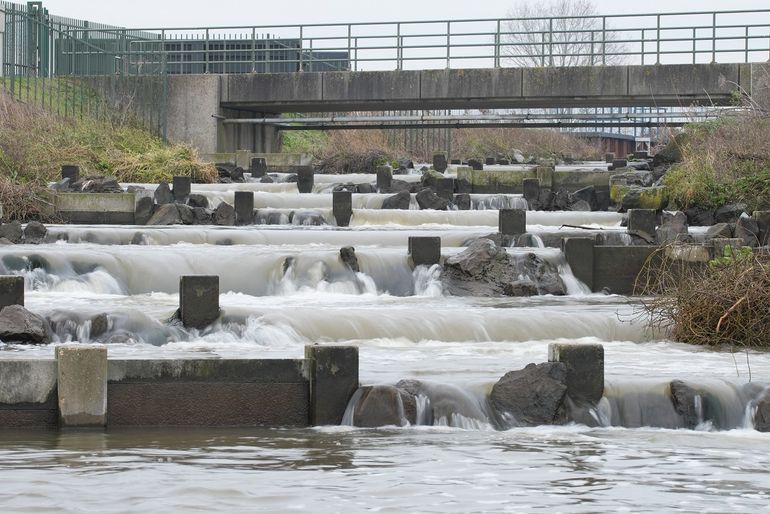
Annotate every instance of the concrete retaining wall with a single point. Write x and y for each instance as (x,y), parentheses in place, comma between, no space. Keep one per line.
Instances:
(511,181)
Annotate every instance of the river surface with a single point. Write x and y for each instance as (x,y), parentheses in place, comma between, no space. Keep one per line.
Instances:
(283,286)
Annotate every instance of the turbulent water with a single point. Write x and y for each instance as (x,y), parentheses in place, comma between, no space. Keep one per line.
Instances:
(283,286)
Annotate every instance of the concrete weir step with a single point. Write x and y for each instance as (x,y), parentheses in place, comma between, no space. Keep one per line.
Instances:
(82,388)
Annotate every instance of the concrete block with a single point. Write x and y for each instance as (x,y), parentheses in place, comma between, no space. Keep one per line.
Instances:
(333,375)
(609,157)
(258,167)
(11,290)
(512,222)
(305,179)
(71,172)
(462,201)
(619,163)
(181,188)
(585,370)
(82,385)
(342,207)
(545,175)
(531,189)
(445,188)
(198,300)
(475,164)
(641,154)
(763,222)
(490,161)
(616,267)
(579,253)
(642,220)
(424,251)
(384,178)
(96,208)
(244,207)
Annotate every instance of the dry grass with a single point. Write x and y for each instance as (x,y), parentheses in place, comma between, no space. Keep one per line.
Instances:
(724,303)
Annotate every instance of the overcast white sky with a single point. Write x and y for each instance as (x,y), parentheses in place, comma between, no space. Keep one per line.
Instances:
(177,13)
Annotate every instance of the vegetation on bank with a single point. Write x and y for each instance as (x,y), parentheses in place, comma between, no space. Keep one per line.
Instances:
(722,161)
(34,144)
(359,150)
(724,303)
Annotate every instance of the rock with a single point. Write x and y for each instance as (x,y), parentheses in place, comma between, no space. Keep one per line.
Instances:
(163,194)
(236,175)
(719,231)
(135,189)
(308,219)
(396,186)
(683,399)
(101,185)
(185,214)
(292,178)
(202,216)
(266,180)
(531,396)
(120,339)
(400,200)
(139,238)
(384,406)
(439,162)
(747,228)
(588,195)
(100,324)
(427,199)
(580,205)
(518,157)
(365,188)
(699,216)
(729,213)
(561,200)
(673,228)
(225,169)
(644,198)
(545,201)
(224,180)
(405,164)
(197,200)
(166,214)
(762,414)
(5,242)
(224,214)
(486,269)
(349,259)
(11,231)
(475,164)
(17,324)
(143,211)
(34,232)
(430,179)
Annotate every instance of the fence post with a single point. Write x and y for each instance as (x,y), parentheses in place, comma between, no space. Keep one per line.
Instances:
(301,44)
(604,40)
(497,45)
(550,42)
(714,37)
(657,42)
(448,43)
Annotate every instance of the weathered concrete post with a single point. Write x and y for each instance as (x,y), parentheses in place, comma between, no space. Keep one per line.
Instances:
(198,300)
(342,207)
(258,167)
(11,290)
(82,385)
(585,370)
(579,254)
(424,251)
(490,161)
(763,222)
(609,157)
(244,207)
(445,188)
(512,222)
(462,201)
(71,172)
(305,179)
(181,188)
(619,163)
(642,220)
(333,375)
(544,174)
(531,190)
(384,178)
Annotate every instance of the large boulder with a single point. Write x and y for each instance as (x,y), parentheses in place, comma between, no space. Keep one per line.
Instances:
(719,231)
(349,259)
(747,228)
(588,195)
(197,200)
(487,269)
(224,214)
(18,325)
(427,199)
(729,213)
(143,210)
(399,200)
(166,214)
(673,228)
(685,400)
(34,232)
(380,406)
(699,216)
(531,396)
(762,414)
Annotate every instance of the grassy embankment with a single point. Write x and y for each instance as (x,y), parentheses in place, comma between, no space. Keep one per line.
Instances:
(34,143)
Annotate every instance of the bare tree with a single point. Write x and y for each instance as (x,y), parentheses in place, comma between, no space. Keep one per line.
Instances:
(558,33)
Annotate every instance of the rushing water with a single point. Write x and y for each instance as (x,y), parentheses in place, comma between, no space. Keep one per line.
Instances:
(283,286)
